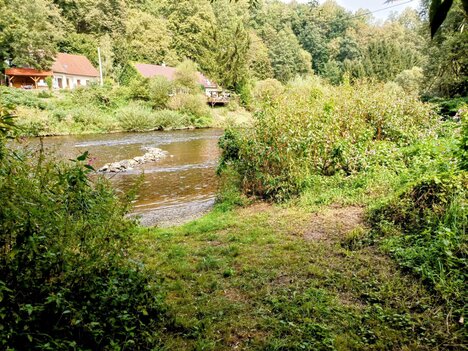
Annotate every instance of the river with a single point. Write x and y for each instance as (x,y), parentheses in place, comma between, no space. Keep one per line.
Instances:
(175,189)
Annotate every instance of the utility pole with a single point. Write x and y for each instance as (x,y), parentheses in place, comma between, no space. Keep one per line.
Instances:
(100,65)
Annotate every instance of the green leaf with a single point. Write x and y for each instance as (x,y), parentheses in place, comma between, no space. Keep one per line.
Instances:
(83,157)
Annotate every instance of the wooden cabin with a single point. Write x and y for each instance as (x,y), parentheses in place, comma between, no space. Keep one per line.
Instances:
(68,72)
(27,78)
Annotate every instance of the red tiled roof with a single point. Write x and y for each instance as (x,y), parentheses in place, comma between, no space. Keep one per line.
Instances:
(149,71)
(29,72)
(77,65)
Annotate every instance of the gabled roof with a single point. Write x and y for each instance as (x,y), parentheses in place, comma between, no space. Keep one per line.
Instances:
(77,65)
(28,72)
(149,71)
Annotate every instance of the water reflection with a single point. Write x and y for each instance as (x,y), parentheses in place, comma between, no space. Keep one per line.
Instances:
(186,176)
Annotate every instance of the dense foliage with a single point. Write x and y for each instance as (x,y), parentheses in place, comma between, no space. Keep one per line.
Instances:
(426,229)
(372,143)
(314,128)
(65,279)
(141,105)
(237,42)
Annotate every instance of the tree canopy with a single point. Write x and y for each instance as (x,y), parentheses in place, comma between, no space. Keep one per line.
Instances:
(239,42)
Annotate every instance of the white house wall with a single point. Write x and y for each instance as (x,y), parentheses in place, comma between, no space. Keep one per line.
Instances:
(71,81)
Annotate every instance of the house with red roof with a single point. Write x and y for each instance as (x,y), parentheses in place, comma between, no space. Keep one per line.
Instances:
(149,71)
(71,71)
(68,72)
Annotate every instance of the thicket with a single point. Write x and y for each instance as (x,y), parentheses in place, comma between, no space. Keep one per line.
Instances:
(317,129)
(66,281)
(95,109)
(354,141)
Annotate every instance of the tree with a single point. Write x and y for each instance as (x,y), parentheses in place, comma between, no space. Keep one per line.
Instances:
(438,12)
(258,61)
(189,22)
(186,77)
(447,68)
(226,46)
(82,44)
(147,38)
(94,16)
(29,32)
(287,57)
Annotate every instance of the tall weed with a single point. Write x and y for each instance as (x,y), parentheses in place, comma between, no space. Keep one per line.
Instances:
(316,129)
(65,279)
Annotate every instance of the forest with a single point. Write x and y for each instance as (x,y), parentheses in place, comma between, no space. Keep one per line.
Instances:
(239,42)
(341,207)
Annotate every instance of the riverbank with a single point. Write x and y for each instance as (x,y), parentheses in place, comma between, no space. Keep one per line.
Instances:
(111,109)
(269,277)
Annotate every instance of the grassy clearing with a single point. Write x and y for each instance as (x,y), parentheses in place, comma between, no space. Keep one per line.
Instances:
(281,278)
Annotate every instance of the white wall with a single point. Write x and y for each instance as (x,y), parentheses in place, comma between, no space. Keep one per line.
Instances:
(71,82)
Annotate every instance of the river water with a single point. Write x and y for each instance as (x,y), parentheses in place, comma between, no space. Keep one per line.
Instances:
(175,189)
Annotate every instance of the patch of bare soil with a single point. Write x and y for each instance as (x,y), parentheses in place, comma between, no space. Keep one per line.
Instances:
(334,222)
(255,208)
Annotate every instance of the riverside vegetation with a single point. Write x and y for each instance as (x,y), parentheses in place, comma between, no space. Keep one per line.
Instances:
(142,105)
(359,244)
(341,217)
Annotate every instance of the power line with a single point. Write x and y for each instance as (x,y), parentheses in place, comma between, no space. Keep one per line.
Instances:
(382,9)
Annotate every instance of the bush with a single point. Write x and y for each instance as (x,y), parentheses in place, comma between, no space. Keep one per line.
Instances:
(186,77)
(43,94)
(194,106)
(167,119)
(316,129)
(159,91)
(411,80)
(426,228)
(136,118)
(138,89)
(65,279)
(463,143)
(19,97)
(79,119)
(267,90)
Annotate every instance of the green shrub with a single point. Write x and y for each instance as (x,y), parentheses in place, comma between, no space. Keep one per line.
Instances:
(49,82)
(316,129)
(186,77)
(65,279)
(136,117)
(411,80)
(463,143)
(19,97)
(267,90)
(44,94)
(425,228)
(138,89)
(192,105)
(159,91)
(450,107)
(167,119)
(34,122)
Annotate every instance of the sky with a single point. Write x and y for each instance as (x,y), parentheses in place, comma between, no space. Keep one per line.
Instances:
(374,5)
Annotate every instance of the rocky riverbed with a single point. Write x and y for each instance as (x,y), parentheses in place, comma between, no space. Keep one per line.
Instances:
(153,154)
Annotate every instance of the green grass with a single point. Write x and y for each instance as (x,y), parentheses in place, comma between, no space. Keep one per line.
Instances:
(260,278)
